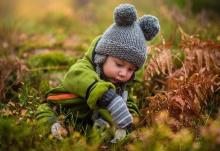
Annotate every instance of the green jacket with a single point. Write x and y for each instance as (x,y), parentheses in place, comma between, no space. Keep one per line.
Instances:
(82,80)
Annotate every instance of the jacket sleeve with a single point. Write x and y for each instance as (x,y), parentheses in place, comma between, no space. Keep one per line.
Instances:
(79,77)
(83,81)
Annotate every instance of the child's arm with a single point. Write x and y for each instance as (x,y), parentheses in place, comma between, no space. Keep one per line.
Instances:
(83,81)
(117,107)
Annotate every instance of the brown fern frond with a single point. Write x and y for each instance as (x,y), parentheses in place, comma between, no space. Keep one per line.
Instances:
(189,90)
(198,89)
(11,73)
(158,102)
(160,63)
(187,102)
(204,54)
(201,57)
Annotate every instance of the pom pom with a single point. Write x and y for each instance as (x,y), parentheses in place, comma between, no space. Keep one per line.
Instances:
(150,26)
(125,14)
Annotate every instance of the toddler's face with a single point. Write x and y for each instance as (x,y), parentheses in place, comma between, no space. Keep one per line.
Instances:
(117,70)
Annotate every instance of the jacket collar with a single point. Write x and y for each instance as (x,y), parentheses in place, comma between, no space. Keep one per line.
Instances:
(91,51)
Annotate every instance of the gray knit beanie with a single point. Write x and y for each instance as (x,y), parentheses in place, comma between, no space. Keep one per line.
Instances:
(125,39)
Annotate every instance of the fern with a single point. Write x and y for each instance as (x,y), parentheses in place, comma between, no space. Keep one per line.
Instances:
(188,92)
(159,63)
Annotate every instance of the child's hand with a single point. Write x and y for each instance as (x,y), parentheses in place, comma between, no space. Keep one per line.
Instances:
(101,124)
(119,135)
(58,131)
(119,112)
(117,107)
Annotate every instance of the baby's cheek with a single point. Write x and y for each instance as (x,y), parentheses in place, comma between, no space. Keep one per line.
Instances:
(130,75)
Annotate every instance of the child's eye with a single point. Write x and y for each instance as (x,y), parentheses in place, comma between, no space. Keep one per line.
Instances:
(131,69)
(118,64)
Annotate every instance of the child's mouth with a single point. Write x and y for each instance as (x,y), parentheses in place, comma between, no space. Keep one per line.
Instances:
(115,81)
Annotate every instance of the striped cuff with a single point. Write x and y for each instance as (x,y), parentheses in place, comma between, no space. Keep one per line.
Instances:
(119,111)
(107,98)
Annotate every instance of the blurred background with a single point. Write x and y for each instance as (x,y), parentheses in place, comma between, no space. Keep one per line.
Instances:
(88,18)
(50,35)
(45,33)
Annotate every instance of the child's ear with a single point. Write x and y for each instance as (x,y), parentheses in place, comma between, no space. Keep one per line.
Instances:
(150,26)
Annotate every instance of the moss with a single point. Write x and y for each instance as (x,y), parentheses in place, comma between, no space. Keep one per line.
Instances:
(53,58)
(16,136)
(34,43)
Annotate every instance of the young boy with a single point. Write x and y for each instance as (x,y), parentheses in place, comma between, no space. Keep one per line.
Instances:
(93,90)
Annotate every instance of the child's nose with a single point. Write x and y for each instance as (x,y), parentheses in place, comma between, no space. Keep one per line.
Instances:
(123,72)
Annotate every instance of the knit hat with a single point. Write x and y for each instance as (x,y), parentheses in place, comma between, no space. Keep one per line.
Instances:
(125,39)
